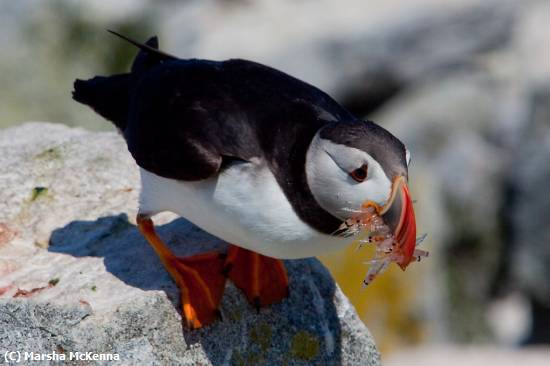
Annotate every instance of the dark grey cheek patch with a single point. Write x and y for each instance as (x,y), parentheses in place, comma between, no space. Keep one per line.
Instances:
(376,141)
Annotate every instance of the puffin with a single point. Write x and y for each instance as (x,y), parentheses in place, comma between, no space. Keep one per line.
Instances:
(260,159)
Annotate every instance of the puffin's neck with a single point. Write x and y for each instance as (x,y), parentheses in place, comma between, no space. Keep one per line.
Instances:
(288,164)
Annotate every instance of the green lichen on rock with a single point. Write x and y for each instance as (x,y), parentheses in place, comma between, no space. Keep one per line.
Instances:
(49,154)
(261,335)
(304,346)
(41,244)
(38,192)
(250,359)
(237,359)
(53,281)
(235,315)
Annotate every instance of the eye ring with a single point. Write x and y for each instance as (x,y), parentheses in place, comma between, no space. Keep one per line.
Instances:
(359,174)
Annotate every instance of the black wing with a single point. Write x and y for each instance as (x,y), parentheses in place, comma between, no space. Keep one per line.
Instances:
(187,116)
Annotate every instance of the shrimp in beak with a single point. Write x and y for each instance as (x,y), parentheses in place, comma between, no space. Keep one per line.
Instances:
(391,228)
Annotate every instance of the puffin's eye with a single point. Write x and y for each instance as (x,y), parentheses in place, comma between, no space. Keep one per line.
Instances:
(359,174)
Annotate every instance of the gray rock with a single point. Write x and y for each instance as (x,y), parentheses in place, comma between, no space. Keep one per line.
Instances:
(526,254)
(99,287)
(530,172)
(531,210)
(529,34)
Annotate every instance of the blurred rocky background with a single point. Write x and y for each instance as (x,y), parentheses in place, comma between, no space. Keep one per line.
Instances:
(464,83)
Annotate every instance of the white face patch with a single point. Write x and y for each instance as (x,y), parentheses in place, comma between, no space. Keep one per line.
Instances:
(327,169)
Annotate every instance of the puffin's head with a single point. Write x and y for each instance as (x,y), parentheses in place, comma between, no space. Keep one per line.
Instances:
(349,164)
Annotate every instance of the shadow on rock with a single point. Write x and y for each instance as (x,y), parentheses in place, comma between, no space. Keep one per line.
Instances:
(305,328)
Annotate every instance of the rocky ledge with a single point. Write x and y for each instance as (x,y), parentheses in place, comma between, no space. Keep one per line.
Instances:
(76,276)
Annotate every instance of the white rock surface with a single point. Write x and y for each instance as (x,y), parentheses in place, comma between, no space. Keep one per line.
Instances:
(66,206)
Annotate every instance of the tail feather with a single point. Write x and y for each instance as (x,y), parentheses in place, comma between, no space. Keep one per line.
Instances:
(107,95)
(145,59)
(151,47)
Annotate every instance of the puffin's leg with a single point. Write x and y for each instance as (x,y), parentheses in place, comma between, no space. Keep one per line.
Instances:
(200,278)
(263,279)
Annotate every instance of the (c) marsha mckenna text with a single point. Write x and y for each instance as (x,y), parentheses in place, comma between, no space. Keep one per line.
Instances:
(57,356)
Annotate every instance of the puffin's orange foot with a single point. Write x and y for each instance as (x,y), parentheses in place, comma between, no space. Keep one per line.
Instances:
(263,279)
(200,278)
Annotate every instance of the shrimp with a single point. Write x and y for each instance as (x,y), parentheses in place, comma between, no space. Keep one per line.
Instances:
(368,227)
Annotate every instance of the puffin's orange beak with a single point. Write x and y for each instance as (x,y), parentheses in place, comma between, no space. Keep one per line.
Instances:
(398,214)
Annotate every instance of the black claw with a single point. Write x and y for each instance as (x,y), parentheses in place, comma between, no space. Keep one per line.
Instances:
(219,314)
(189,324)
(228,267)
(257,304)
